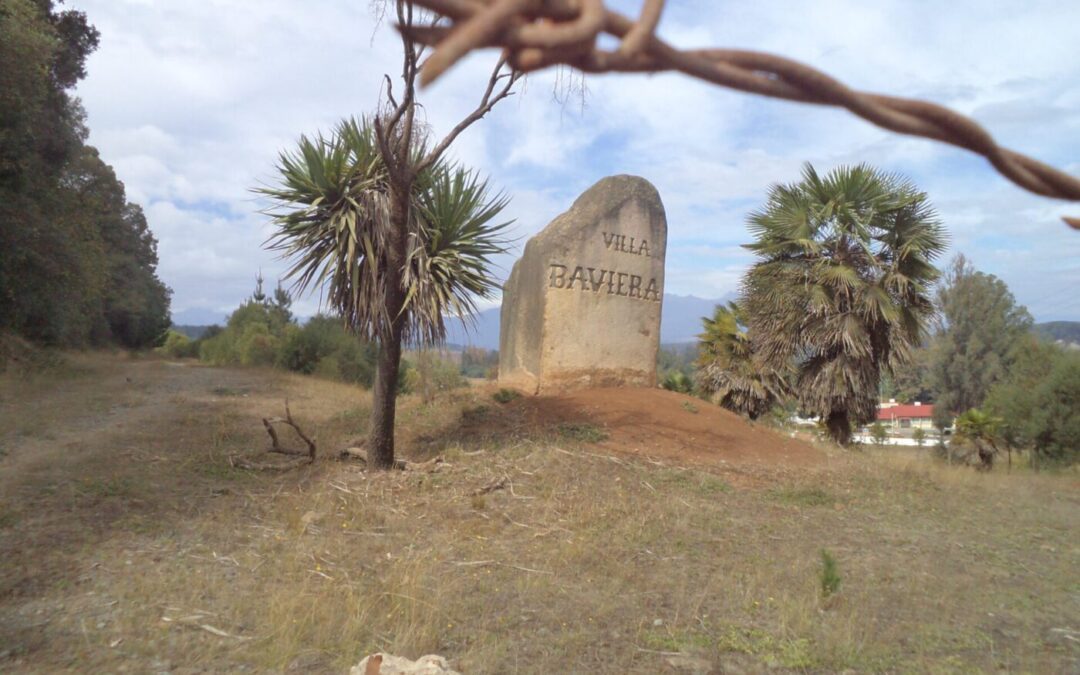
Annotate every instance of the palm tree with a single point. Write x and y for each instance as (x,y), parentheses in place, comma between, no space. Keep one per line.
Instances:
(841,289)
(338,224)
(982,431)
(727,369)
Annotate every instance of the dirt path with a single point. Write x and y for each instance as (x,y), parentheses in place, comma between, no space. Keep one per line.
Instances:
(45,423)
(87,457)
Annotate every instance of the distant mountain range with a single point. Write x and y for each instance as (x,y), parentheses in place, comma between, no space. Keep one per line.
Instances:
(680,321)
(1067,332)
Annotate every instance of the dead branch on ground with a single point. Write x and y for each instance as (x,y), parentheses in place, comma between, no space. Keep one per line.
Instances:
(302,457)
(276,444)
(359,453)
(497,484)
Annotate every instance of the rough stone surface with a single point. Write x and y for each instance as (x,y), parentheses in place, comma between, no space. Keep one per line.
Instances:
(582,306)
(399,665)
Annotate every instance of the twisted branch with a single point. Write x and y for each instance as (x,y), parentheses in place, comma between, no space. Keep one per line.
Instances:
(536,34)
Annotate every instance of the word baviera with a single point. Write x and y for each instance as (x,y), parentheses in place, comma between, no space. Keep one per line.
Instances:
(595,280)
(624,244)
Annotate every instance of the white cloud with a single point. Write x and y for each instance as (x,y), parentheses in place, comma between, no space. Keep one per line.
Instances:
(191,102)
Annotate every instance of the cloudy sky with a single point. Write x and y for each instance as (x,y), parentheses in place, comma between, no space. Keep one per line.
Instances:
(191,100)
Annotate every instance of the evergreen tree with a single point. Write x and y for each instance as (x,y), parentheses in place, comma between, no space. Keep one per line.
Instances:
(978,340)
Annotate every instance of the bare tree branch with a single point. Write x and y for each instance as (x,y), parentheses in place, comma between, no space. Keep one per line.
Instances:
(492,95)
(275,443)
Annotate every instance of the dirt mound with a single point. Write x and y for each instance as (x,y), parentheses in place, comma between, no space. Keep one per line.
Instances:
(664,424)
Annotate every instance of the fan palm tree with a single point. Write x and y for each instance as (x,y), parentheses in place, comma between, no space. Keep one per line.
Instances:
(394,272)
(841,289)
(982,431)
(727,369)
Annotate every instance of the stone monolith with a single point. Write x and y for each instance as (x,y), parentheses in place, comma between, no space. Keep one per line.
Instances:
(582,306)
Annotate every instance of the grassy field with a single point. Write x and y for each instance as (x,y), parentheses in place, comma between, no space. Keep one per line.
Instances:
(129,543)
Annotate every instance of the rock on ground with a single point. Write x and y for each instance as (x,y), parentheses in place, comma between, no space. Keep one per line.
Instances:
(388,664)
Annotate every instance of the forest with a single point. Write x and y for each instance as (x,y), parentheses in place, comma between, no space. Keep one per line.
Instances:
(77,259)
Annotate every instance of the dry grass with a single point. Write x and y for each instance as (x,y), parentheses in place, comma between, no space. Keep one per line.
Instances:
(130,542)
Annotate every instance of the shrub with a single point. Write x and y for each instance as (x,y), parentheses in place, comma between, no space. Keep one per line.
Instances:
(678,381)
(304,346)
(506,395)
(479,362)
(356,362)
(879,433)
(408,379)
(830,575)
(257,346)
(586,433)
(178,346)
(219,350)
(1055,421)
(919,436)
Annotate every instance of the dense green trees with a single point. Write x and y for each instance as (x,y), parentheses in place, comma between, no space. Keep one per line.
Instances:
(841,290)
(77,260)
(1038,402)
(982,329)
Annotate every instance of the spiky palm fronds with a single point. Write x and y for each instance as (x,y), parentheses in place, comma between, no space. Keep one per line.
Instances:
(728,370)
(981,431)
(842,287)
(448,265)
(333,216)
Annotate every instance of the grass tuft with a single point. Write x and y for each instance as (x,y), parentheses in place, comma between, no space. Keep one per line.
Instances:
(506,395)
(804,496)
(583,433)
(830,575)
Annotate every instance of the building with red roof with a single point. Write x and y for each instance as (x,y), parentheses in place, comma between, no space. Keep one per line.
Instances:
(906,415)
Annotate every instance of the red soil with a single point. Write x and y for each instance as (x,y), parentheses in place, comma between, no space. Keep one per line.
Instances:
(664,424)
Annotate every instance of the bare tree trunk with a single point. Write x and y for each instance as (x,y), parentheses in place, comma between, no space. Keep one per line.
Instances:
(384,394)
(839,427)
(384,405)
(395,135)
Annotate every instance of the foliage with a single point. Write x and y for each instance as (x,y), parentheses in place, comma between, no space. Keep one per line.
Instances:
(841,290)
(435,375)
(178,346)
(397,238)
(879,433)
(830,574)
(977,343)
(333,222)
(912,382)
(728,369)
(1039,403)
(675,367)
(480,363)
(981,431)
(678,381)
(77,260)
(506,395)
(262,332)
(919,436)
(582,432)
(1055,420)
